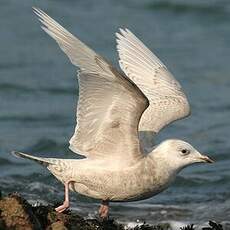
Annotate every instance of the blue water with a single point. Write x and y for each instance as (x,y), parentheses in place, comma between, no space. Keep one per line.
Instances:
(38,89)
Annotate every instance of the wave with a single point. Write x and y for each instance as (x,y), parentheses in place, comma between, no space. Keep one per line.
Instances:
(52,148)
(4,161)
(203,181)
(51,118)
(182,7)
(6,87)
(68,91)
(11,65)
(44,145)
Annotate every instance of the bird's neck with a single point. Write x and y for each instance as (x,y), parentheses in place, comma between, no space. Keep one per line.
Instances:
(162,165)
(161,177)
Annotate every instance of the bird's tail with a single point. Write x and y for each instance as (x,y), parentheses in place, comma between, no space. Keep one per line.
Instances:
(44,161)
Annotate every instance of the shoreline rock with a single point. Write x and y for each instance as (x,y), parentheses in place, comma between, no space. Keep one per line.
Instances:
(16,213)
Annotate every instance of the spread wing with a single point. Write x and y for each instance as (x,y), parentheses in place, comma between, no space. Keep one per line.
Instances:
(167,100)
(109,105)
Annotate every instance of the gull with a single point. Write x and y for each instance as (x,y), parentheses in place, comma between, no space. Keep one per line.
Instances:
(113,107)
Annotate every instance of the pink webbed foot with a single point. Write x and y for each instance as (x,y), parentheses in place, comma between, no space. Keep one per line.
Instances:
(65,204)
(62,207)
(104,210)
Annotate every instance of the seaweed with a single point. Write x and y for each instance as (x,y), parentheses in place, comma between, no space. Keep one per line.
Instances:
(16,213)
(213,226)
(188,227)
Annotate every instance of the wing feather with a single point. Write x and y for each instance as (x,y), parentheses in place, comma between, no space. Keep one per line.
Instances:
(110,105)
(167,99)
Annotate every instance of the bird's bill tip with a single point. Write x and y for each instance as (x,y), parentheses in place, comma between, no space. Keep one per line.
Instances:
(206,159)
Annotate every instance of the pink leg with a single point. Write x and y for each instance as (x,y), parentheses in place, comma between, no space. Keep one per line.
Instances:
(104,209)
(65,204)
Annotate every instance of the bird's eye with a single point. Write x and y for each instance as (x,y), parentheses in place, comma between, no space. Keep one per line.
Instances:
(185,151)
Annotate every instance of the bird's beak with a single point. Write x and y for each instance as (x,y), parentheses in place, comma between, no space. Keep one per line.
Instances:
(206,159)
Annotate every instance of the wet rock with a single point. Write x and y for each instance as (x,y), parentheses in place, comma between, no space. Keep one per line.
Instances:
(213,226)
(16,213)
(188,227)
(149,227)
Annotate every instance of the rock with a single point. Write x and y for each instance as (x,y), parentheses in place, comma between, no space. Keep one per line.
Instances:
(16,213)
(59,225)
(213,226)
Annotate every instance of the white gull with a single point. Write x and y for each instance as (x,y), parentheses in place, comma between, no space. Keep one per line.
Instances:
(112,108)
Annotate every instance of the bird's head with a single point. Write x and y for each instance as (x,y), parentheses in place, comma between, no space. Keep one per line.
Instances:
(178,154)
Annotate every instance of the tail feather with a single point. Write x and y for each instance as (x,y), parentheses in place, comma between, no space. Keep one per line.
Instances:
(44,161)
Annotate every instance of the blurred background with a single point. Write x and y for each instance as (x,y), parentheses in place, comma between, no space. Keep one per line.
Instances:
(38,94)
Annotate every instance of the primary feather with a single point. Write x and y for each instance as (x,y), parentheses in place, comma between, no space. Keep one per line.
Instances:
(167,100)
(109,105)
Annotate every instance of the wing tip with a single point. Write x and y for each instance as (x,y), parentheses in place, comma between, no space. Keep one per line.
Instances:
(34,8)
(37,11)
(123,31)
(40,14)
(16,154)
